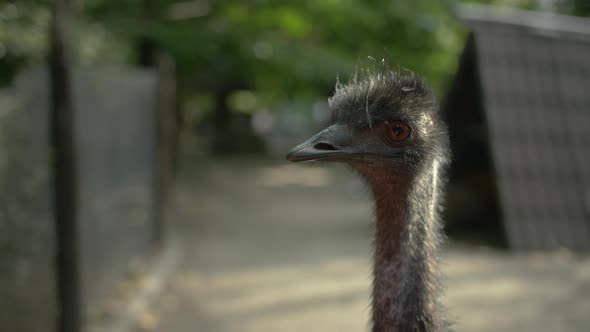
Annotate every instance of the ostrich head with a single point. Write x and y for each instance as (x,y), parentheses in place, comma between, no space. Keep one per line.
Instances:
(382,119)
(387,127)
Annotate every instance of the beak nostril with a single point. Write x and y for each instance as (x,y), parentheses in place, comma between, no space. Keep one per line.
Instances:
(324,146)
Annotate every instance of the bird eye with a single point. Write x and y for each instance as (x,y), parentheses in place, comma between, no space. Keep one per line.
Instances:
(397,131)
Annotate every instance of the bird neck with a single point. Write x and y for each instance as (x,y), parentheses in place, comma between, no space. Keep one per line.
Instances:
(407,238)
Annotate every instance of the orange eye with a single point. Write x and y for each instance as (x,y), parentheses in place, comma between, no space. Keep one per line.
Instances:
(397,131)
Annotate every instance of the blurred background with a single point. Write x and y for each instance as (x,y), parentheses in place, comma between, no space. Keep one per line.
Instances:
(143,185)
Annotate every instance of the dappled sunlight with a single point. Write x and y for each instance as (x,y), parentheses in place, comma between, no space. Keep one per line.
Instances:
(492,291)
(499,288)
(291,174)
(237,280)
(302,262)
(245,292)
(314,297)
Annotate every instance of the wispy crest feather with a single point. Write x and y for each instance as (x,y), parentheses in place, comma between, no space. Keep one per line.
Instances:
(374,93)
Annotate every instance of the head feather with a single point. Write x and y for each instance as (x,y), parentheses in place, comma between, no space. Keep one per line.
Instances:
(379,94)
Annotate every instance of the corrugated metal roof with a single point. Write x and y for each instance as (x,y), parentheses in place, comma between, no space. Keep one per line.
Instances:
(536,96)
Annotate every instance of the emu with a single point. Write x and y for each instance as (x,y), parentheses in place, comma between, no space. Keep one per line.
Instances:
(387,127)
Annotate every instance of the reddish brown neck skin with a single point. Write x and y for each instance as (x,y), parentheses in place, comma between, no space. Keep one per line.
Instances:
(390,193)
(400,299)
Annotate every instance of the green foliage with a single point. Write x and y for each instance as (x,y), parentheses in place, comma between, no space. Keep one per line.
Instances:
(576,7)
(280,49)
(286,49)
(24,37)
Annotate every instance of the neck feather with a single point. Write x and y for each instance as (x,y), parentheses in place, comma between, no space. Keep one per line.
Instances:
(407,237)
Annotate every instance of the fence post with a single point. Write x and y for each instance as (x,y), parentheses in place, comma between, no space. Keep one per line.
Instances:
(64,167)
(167,128)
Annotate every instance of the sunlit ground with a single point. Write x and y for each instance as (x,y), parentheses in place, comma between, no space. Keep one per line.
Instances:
(275,247)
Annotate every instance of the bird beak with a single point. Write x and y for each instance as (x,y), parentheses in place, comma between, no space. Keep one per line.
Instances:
(329,143)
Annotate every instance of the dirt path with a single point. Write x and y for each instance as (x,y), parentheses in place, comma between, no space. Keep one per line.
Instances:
(275,247)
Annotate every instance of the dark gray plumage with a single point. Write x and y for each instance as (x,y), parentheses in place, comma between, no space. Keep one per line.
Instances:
(387,127)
